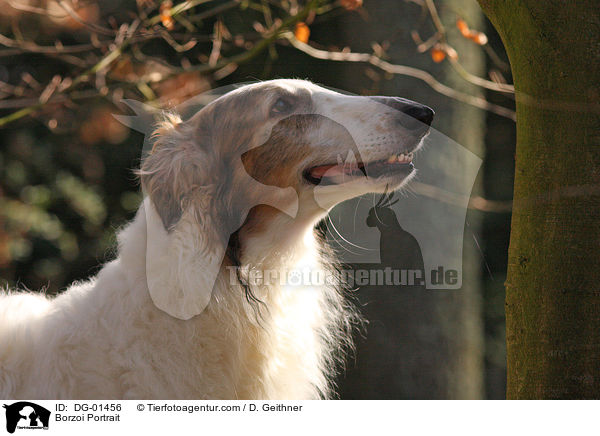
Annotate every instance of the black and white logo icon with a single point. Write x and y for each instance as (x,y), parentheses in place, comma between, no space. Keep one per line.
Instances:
(26,415)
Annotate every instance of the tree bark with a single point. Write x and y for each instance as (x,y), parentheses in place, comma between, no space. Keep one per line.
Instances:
(553,282)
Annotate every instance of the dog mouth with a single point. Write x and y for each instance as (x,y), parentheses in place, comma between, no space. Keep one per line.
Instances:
(342,172)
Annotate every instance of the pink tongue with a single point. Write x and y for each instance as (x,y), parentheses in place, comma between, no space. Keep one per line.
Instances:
(329,170)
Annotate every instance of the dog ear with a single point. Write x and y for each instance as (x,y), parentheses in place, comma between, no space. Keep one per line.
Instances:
(186,241)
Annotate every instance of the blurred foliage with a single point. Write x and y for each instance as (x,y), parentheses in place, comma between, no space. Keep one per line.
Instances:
(61,196)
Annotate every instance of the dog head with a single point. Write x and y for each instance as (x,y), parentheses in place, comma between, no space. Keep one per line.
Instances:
(288,144)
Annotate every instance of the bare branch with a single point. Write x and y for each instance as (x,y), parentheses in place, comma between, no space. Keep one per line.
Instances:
(180,48)
(223,65)
(401,70)
(435,18)
(214,11)
(176,10)
(32,47)
(40,11)
(475,80)
(91,26)
(49,90)
(475,202)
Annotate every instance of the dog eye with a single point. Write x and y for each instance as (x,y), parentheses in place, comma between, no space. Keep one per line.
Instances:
(281,106)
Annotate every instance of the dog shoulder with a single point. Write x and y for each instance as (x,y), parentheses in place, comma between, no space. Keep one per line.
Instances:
(17,306)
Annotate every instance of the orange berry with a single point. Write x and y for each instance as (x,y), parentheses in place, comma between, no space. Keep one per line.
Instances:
(437,54)
(167,21)
(302,32)
(165,14)
(463,27)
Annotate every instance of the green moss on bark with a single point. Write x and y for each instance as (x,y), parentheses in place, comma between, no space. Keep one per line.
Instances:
(553,285)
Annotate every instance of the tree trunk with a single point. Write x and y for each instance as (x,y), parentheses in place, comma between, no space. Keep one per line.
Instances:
(553,283)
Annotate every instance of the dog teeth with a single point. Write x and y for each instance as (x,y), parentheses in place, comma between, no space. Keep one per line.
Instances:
(401,158)
(350,159)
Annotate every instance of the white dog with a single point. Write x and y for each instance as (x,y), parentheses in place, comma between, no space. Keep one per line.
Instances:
(236,189)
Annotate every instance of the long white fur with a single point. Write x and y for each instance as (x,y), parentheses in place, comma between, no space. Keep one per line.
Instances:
(106,339)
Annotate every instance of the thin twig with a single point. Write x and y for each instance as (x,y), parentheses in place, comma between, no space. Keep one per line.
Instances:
(475,80)
(214,11)
(437,22)
(104,63)
(474,202)
(91,26)
(40,11)
(402,70)
(462,72)
(176,10)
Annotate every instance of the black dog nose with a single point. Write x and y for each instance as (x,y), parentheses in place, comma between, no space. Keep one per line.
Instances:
(421,113)
(416,111)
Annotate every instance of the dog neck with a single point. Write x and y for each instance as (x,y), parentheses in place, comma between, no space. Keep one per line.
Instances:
(268,241)
(302,326)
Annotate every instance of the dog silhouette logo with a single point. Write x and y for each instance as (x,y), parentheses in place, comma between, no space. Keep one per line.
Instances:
(25,415)
(398,248)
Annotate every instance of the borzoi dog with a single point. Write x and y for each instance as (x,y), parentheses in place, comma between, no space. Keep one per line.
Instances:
(237,188)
